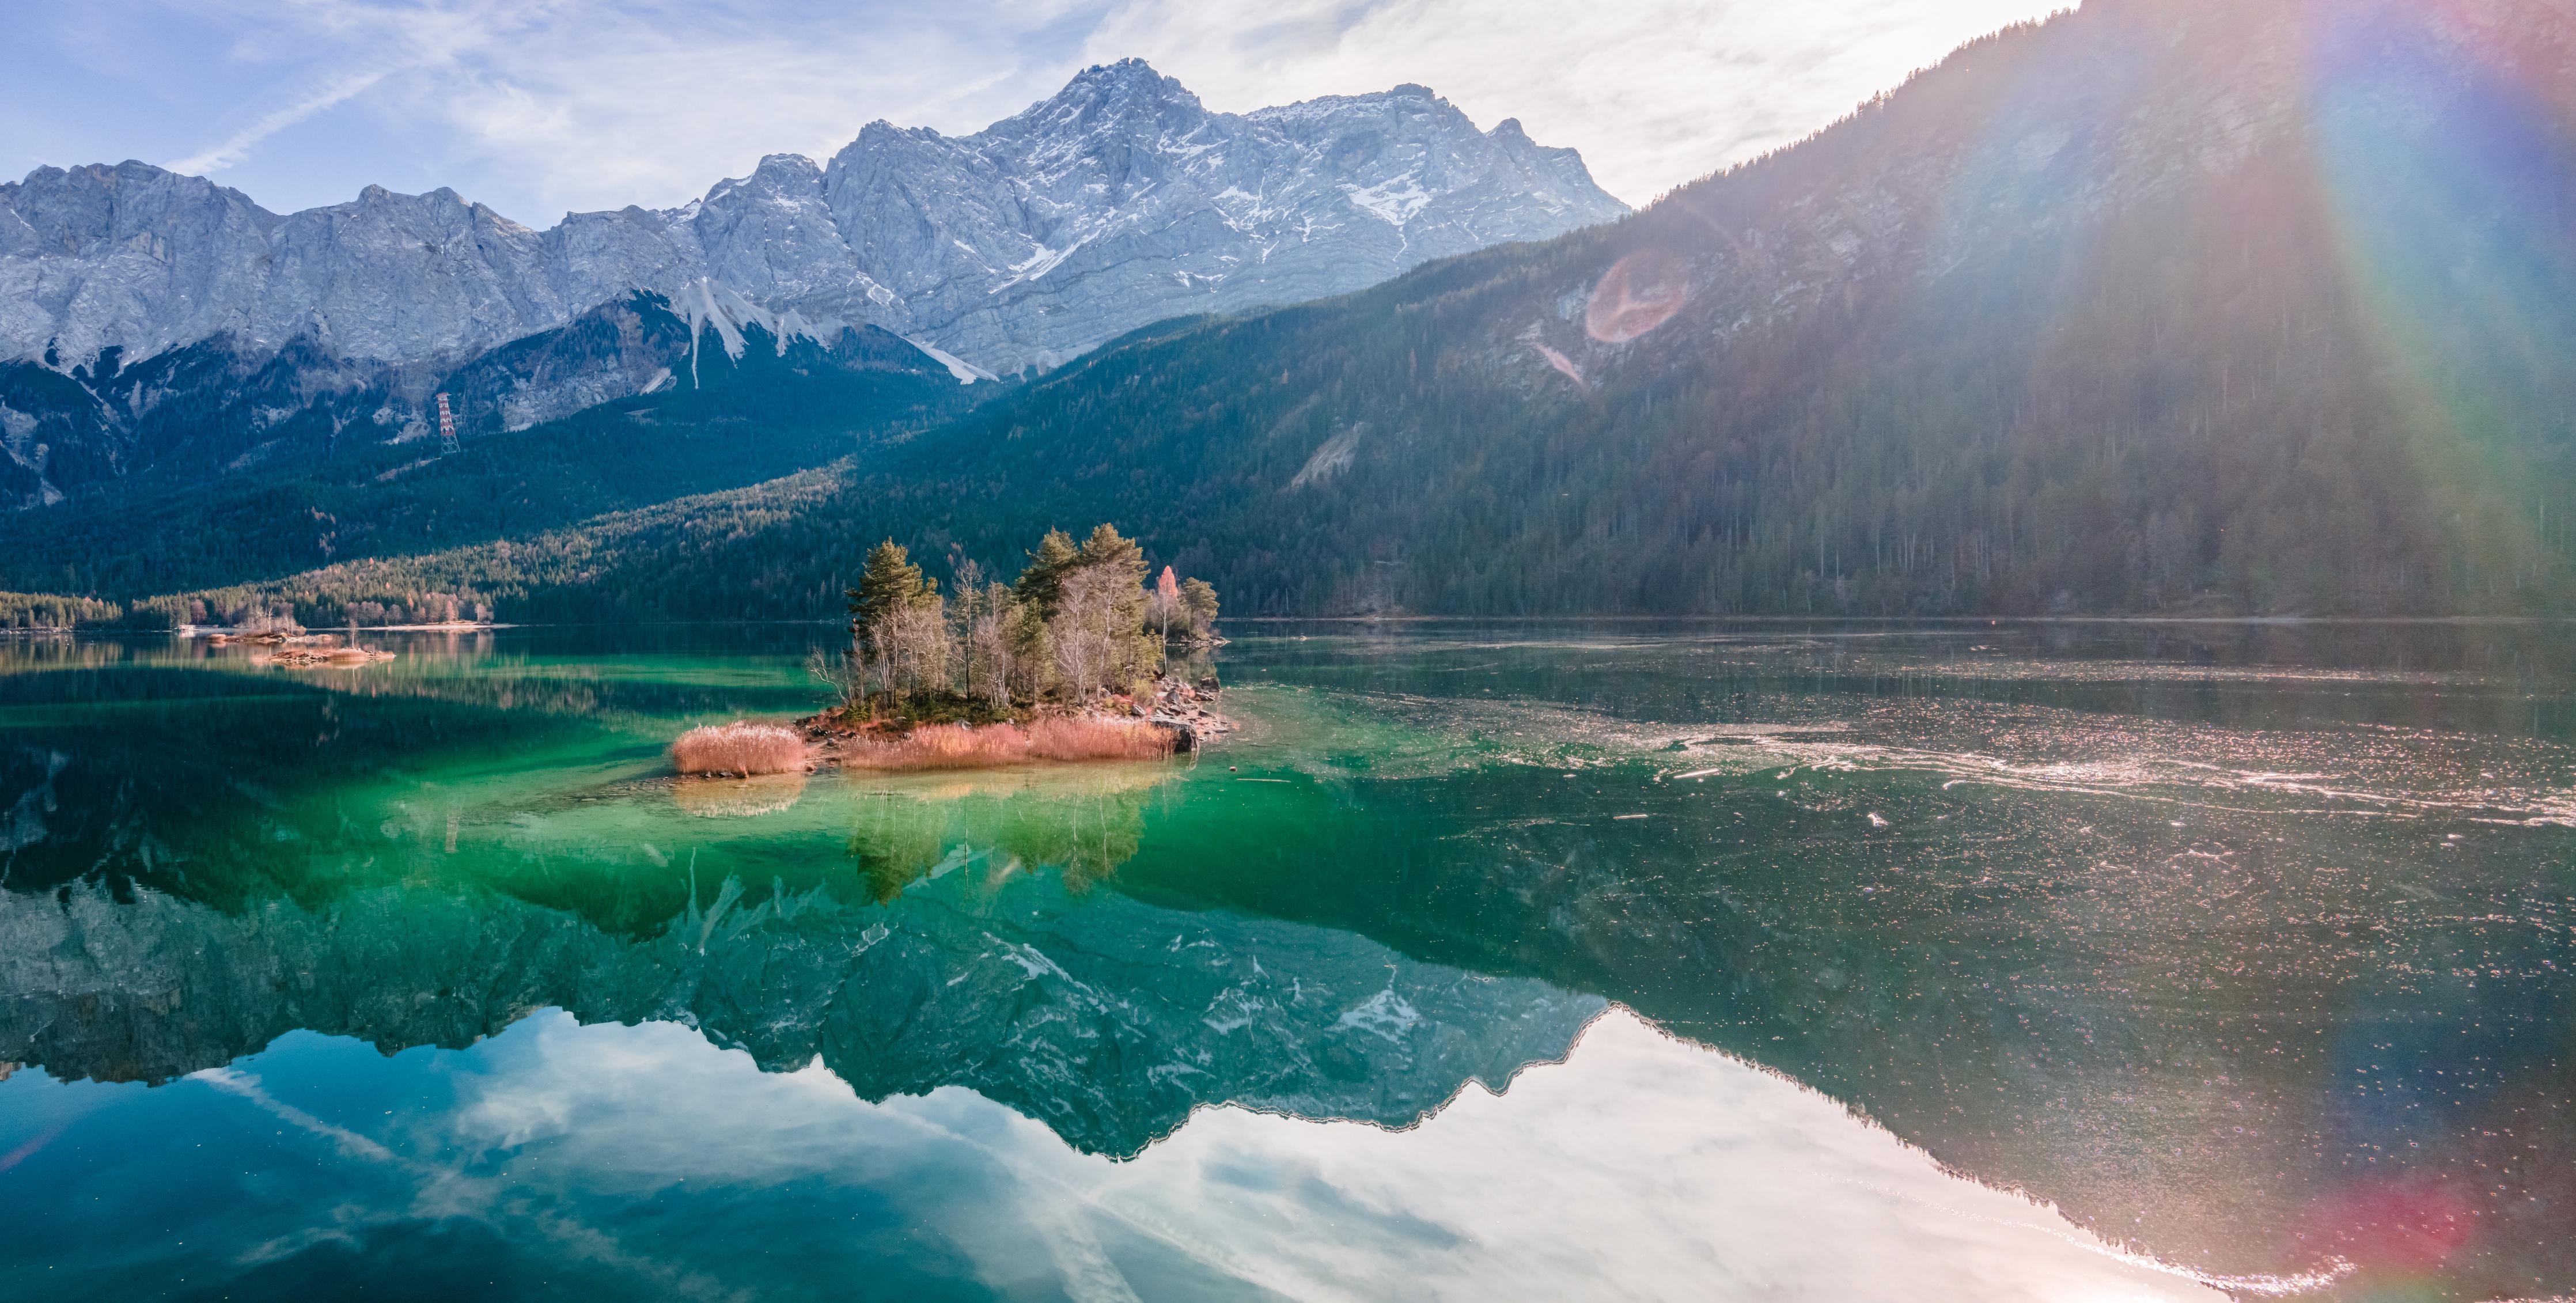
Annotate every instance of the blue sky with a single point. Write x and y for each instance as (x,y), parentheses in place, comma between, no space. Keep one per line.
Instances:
(538,107)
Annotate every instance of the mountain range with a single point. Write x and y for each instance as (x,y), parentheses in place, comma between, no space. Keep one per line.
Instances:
(1119,202)
(2164,306)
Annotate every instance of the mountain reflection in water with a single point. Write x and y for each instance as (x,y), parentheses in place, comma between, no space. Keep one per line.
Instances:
(2250,953)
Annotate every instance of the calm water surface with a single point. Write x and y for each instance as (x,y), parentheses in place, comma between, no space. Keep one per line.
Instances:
(2063,962)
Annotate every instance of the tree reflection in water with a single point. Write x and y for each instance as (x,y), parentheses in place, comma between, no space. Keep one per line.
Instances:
(1081,821)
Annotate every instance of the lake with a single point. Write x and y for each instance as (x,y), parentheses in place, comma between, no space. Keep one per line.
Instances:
(1691,960)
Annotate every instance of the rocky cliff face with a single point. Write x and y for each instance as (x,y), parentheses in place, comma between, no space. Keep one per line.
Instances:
(1120,202)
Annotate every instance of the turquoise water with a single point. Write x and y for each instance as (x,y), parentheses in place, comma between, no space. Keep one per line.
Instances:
(1980,962)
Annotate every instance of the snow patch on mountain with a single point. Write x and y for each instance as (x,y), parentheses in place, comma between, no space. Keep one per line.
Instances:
(966,372)
(708,306)
(1392,202)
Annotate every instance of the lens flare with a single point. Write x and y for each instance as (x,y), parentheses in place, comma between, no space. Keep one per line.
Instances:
(1637,296)
(2406,1227)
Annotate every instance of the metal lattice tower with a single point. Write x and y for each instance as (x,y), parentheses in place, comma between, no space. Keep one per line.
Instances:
(446,429)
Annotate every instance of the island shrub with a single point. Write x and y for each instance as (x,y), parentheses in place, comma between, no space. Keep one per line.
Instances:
(739,748)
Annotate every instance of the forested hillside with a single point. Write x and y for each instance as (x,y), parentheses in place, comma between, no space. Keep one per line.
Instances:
(720,423)
(2213,305)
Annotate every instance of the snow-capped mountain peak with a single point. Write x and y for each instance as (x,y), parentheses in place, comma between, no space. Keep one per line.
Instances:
(1117,202)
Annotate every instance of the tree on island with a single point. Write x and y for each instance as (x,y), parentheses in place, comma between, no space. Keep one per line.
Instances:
(1198,599)
(898,628)
(887,582)
(1076,628)
(1043,579)
(1166,601)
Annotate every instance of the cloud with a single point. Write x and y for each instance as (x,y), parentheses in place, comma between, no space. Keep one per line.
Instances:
(548,105)
(237,146)
(580,104)
(1654,92)
(643,110)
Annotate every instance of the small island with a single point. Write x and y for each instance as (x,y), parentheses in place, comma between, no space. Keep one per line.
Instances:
(287,646)
(1079,658)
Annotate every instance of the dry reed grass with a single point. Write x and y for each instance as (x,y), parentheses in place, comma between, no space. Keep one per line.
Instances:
(739,748)
(963,746)
(1098,739)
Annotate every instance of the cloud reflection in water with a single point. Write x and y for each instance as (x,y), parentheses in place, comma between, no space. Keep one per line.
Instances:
(1642,1167)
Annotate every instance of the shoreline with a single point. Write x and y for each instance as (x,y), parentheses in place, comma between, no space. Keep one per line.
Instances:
(2286,620)
(242,634)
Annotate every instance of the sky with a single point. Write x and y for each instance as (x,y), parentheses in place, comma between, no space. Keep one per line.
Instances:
(540,107)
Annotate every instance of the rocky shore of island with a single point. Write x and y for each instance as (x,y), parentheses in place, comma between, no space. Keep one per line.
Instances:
(1175,716)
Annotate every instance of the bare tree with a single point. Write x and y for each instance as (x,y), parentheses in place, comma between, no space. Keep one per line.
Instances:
(991,654)
(1165,603)
(1086,628)
(910,642)
(846,673)
(965,667)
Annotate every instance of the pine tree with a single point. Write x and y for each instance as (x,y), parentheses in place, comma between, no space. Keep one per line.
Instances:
(1119,564)
(1116,553)
(1042,583)
(888,582)
(898,625)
